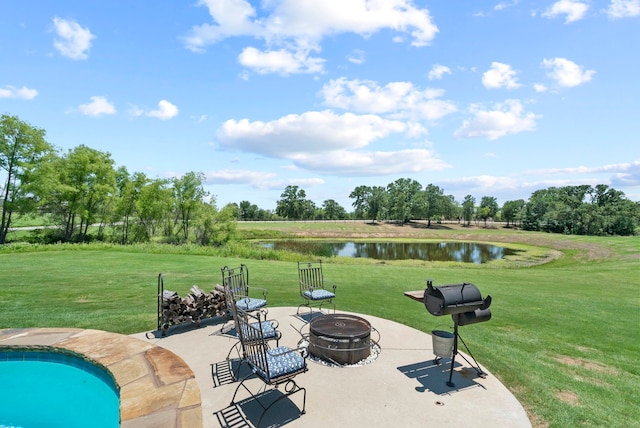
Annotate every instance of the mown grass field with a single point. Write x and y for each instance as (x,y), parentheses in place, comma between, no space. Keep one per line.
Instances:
(564,336)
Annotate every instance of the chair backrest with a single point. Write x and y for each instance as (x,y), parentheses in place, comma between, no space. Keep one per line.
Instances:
(237,280)
(231,304)
(310,274)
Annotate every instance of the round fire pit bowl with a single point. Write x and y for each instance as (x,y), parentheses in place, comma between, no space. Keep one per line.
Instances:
(340,338)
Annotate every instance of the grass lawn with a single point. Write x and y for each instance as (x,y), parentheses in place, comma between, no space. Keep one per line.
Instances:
(564,336)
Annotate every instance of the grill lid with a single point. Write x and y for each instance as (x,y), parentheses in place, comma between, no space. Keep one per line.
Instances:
(454,299)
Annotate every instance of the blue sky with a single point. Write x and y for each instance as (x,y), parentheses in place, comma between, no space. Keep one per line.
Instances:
(485,98)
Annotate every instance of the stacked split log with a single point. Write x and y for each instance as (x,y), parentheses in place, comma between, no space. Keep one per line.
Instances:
(194,307)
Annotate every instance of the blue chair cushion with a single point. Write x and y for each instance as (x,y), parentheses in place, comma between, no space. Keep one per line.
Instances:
(268,330)
(249,304)
(319,295)
(281,361)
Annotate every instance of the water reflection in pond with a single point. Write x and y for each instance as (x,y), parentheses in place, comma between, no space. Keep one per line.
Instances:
(466,252)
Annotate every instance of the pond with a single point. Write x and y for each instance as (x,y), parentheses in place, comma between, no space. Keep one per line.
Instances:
(466,252)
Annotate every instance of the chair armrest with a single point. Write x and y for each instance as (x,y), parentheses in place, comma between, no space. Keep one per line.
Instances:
(261,314)
(303,351)
(305,286)
(333,285)
(274,323)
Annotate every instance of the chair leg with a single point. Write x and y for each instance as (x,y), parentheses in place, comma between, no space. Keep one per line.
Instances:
(233,399)
(290,388)
(236,373)
(299,306)
(307,304)
(237,348)
(330,302)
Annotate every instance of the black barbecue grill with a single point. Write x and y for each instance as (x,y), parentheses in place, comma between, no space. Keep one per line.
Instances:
(465,305)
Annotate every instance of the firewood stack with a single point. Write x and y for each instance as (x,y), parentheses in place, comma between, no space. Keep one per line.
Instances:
(194,307)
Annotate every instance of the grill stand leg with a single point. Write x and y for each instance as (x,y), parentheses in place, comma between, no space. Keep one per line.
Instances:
(455,352)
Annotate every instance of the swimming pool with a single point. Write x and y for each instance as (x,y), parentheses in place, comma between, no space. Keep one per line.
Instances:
(54,388)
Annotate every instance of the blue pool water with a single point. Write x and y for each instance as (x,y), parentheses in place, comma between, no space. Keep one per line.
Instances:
(55,390)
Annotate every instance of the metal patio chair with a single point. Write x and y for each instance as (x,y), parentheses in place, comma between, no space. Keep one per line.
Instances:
(273,366)
(269,327)
(237,280)
(312,286)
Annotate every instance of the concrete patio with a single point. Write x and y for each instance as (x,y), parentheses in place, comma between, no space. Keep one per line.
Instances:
(400,387)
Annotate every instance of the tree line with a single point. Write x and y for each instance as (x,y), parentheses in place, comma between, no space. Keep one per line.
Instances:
(82,188)
(578,210)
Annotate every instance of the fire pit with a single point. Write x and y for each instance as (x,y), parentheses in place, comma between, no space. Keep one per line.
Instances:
(340,338)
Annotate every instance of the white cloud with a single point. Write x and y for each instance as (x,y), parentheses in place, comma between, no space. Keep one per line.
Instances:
(567,73)
(97,107)
(23,93)
(281,184)
(362,163)
(135,111)
(310,132)
(280,61)
(517,186)
(628,175)
(398,99)
(299,27)
(505,5)
(617,168)
(356,56)
(505,118)
(437,71)
(540,87)
(615,175)
(231,18)
(624,8)
(328,143)
(574,10)
(74,41)
(481,183)
(500,76)
(238,176)
(165,111)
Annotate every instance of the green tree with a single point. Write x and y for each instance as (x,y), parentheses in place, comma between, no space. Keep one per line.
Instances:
(617,215)
(361,195)
(536,208)
(434,203)
(23,148)
(293,203)
(369,201)
(468,207)
(264,214)
(248,211)
(511,211)
(377,203)
(153,207)
(81,185)
(213,227)
(581,210)
(333,210)
(403,199)
(189,196)
(129,188)
(310,211)
(451,209)
(571,213)
(488,208)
